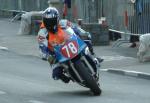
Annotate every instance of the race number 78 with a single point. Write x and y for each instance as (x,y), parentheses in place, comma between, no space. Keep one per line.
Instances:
(70,49)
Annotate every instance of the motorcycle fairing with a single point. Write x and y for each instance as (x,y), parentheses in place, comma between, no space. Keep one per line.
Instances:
(73,40)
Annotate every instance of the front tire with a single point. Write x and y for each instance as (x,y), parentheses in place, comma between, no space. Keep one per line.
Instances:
(90,81)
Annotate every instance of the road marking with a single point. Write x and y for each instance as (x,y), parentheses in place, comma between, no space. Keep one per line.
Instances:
(128,72)
(3,48)
(115,57)
(2,92)
(35,101)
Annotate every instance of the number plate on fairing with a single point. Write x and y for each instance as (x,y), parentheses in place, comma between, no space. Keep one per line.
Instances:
(70,49)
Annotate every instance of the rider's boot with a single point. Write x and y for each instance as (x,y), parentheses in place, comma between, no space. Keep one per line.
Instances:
(97,60)
(64,78)
(100,59)
(58,74)
(93,54)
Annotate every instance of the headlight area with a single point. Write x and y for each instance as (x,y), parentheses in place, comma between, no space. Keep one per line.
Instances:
(87,51)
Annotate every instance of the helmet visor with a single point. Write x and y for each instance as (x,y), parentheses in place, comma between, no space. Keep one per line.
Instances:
(50,23)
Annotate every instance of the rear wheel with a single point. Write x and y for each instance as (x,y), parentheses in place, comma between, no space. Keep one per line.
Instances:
(90,81)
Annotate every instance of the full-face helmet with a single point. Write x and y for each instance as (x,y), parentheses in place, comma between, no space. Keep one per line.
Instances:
(51,19)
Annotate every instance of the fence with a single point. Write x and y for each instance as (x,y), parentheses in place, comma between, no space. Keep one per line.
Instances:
(125,15)
(15,8)
(25,5)
(121,15)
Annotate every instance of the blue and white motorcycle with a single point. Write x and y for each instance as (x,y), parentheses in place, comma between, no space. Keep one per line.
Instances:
(74,56)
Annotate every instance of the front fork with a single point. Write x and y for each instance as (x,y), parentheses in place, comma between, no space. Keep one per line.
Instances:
(91,70)
(95,72)
(66,67)
(88,65)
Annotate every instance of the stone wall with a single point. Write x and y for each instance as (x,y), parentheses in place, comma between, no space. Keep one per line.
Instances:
(99,33)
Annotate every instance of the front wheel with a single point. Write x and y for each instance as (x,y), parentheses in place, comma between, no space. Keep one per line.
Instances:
(89,80)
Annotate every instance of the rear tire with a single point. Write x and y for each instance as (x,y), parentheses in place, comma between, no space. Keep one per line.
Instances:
(90,81)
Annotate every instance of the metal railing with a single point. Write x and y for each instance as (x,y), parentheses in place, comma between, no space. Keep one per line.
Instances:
(121,15)
(23,5)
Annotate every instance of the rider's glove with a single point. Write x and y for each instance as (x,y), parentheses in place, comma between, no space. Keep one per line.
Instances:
(51,59)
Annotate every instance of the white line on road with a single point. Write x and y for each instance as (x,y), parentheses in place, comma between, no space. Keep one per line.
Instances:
(2,92)
(127,72)
(115,57)
(3,48)
(35,101)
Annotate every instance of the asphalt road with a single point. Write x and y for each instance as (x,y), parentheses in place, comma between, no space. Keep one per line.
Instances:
(27,79)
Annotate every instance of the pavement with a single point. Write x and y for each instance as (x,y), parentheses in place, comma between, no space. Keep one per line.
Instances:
(121,60)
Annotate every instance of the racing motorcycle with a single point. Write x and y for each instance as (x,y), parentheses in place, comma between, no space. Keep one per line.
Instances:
(75,58)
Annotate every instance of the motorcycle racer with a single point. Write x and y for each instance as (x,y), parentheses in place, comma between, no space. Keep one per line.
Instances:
(51,33)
